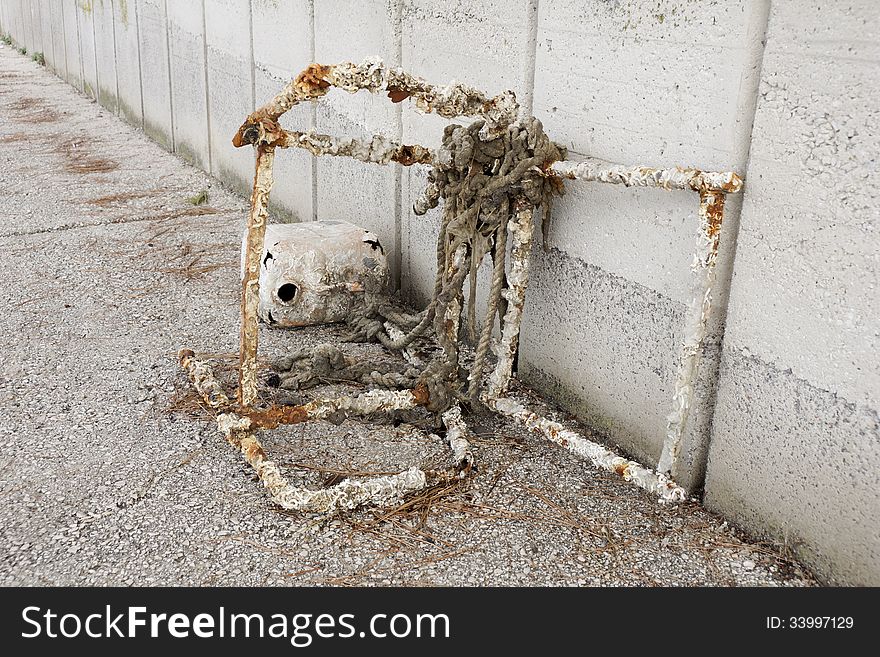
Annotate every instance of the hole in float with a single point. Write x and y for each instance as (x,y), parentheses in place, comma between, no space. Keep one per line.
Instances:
(287,292)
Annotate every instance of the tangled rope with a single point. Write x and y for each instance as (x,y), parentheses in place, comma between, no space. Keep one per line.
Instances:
(324,363)
(479,180)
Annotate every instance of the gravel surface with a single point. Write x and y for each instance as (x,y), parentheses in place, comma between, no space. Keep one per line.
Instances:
(112,474)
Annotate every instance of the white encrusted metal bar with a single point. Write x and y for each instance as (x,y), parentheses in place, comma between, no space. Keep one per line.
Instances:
(379,491)
(239,431)
(637,176)
(250,282)
(379,150)
(457,434)
(599,455)
(367,403)
(711,216)
(203,380)
(449,101)
(521,227)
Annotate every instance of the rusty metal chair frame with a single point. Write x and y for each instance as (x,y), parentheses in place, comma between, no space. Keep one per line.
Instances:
(240,420)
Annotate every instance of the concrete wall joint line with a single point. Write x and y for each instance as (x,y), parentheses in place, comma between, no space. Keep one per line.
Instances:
(760,23)
(211,166)
(167,24)
(313,112)
(137,24)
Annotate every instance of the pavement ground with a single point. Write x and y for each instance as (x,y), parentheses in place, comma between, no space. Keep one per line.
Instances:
(111,473)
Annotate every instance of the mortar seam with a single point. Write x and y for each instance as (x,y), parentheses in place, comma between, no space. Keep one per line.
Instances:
(137,24)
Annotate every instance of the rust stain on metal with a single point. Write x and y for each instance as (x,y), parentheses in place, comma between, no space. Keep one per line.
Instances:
(398,95)
(312,80)
(421,395)
(714,214)
(409,155)
(277,415)
(252,449)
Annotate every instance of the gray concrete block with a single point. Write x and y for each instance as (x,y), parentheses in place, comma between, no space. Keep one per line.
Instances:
(794,453)
(604,347)
(485,45)
(155,80)
(418,240)
(71,43)
(58,59)
(89,62)
(128,72)
(799,466)
(282,48)
(230,89)
(105,54)
(29,30)
(17,24)
(188,82)
(365,194)
(9,16)
(637,82)
(38,40)
(44,15)
(805,291)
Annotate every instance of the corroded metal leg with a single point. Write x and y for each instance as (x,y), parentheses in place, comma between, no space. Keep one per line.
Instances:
(521,227)
(599,455)
(457,434)
(250,283)
(711,216)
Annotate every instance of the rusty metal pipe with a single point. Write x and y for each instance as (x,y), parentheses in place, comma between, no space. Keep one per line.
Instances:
(727,182)
(521,227)
(449,101)
(379,150)
(696,323)
(599,455)
(250,282)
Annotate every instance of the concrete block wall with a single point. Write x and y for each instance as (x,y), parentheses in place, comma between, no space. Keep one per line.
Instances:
(152,32)
(283,40)
(86,37)
(785,413)
(795,450)
(352,191)
(636,83)
(188,76)
(127,63)
(105,49)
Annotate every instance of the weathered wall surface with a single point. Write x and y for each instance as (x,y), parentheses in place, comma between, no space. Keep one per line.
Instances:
(786,398)
(795,451)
